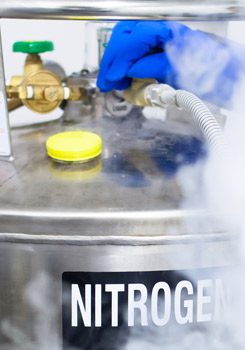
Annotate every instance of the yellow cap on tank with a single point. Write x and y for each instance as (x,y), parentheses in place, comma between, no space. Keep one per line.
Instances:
(74,146)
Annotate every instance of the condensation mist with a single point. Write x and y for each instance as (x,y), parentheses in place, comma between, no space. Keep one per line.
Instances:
(221,190)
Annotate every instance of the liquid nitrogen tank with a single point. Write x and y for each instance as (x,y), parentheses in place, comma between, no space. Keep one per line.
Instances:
(109,247)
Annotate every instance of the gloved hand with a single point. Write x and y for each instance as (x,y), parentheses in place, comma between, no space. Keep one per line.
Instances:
(173,54)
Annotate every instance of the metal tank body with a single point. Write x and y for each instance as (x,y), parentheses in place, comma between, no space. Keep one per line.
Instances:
(126,9)
(121,216)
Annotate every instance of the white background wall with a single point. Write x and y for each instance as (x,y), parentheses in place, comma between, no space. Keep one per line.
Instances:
(68,38)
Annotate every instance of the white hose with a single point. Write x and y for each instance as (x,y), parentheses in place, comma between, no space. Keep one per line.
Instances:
(162,95)
(203,117)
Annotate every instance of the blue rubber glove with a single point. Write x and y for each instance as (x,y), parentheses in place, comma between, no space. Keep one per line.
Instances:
(171,53)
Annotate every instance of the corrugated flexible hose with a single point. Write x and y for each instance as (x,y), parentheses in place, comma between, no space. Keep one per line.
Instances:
(142,93)
(203,117)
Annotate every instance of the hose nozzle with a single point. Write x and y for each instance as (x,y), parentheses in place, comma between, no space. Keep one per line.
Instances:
(147,92)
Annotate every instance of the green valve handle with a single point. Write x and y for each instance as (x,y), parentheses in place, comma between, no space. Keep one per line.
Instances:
(33,47)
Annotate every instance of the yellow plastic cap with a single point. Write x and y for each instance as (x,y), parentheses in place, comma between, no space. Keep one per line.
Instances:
(74,146)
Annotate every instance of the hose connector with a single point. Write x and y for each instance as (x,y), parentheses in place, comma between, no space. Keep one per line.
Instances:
(137,93)
(160,95)
(149,93)
(146,92)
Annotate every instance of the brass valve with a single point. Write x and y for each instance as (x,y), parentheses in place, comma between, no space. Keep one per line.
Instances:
(39,89)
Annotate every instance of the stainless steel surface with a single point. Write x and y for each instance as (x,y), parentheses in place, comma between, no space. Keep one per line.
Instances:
(123,9)
(31,275)
(125,193)
(122,213)
(5,145)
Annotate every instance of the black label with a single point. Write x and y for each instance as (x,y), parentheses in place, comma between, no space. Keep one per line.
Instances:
(109,311)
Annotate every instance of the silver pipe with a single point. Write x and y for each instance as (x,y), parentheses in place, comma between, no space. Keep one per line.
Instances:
(123,9)
(115,240)
(5,146)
